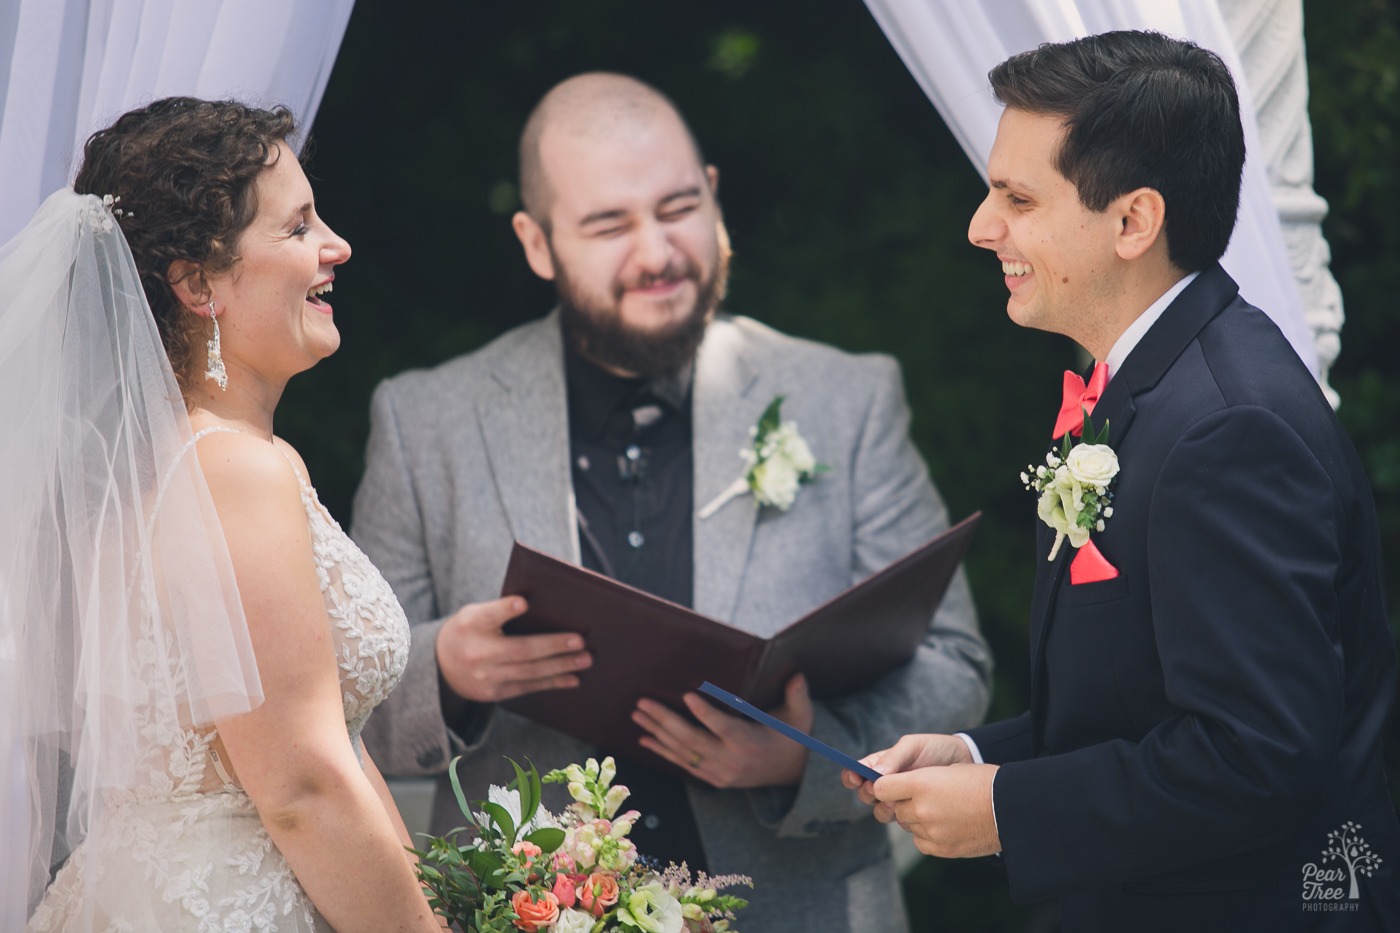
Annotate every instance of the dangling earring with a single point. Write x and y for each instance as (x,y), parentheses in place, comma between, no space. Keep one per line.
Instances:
(215,368)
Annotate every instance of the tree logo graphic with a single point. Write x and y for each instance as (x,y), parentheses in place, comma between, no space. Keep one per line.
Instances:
(1344,847)
(1345,844)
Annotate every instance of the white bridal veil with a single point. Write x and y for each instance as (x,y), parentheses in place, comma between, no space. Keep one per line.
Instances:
(120,624)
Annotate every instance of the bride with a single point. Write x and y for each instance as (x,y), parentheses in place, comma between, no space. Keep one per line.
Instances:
(193,643)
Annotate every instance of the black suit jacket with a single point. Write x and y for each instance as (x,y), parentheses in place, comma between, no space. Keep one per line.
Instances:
(1201,723)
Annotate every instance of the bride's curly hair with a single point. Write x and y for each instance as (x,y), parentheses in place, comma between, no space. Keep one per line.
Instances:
(185,170)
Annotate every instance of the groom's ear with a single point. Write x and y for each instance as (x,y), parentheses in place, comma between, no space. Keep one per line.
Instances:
(1142,217)
(535,243)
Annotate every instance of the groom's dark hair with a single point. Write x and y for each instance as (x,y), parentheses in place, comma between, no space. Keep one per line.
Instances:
(1141,109)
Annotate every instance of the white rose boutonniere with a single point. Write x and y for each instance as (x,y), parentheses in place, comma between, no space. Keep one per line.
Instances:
(779,463)
(1073,485)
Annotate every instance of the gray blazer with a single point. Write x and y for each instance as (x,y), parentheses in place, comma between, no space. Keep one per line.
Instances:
(468,456)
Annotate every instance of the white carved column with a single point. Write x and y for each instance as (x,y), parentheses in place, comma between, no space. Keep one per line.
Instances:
(1268,35)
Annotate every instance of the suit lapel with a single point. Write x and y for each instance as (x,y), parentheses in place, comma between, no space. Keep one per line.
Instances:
(1116,406)
(724,406)
(1197,304)
(524,419)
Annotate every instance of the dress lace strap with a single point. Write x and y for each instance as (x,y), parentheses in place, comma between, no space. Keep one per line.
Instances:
(302,480)
(175,465)
(218,762)
(205,432)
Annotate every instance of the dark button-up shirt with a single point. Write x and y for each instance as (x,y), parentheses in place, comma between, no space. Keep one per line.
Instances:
(633,477)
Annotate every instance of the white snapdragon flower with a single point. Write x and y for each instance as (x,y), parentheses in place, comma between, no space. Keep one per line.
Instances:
(614,799)
(651,908)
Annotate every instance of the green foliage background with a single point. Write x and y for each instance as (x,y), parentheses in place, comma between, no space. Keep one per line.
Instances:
(847,200)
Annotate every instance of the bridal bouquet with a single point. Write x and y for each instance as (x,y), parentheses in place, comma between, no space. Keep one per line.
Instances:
(526,869)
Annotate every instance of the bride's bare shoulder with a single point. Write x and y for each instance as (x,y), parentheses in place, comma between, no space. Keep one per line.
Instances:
(245,468)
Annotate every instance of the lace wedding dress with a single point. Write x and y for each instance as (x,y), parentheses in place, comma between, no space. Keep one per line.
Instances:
(186,850)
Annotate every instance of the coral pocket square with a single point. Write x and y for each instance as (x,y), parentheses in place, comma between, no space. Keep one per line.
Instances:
(1089,566)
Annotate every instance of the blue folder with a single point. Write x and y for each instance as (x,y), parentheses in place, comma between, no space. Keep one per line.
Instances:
(797,735)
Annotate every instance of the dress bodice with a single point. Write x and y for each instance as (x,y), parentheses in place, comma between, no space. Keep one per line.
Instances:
(369,634)
(368,626)
(180,845)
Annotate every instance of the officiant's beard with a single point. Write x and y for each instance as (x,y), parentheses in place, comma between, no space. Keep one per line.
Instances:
(599,333)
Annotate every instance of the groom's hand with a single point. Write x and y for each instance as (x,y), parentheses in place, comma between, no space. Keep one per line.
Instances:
(909,753)
(482,663)
(947,809)
(726,750)
(932,788)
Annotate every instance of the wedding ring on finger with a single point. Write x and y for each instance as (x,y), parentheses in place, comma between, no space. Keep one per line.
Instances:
(695,759)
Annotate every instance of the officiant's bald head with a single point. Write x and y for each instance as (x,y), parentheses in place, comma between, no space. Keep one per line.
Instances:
(621,214)
(591,106)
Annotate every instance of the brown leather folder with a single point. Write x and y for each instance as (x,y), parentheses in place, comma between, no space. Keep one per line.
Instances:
(645,646)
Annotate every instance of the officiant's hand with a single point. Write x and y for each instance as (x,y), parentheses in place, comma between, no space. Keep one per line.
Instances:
(482,663)
(727,750)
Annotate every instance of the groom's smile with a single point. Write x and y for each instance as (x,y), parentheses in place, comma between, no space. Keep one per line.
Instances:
(1016,274)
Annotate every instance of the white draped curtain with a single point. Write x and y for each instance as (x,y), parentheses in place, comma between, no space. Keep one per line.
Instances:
(950,45)
(70,67)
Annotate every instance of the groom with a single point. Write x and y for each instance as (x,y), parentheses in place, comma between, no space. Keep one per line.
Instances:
(599,434)
(1212,668)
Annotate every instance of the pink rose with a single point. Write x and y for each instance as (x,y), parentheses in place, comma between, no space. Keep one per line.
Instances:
(564,862)
(599,893)
(564,891)
(534,914)
(530,852)
(527,849)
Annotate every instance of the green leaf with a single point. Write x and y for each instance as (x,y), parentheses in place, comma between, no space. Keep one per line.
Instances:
(457,787)
(527,785)
(770,419)
(502,819)
(548,839)
(484,864)
(1091,436)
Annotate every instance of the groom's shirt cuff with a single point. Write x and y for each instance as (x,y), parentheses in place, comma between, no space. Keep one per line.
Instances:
(972,748)
(976,754)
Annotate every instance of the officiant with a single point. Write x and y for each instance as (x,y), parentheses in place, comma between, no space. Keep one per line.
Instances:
(600,433)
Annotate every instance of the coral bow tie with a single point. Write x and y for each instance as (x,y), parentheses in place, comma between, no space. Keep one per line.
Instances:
(1079,399)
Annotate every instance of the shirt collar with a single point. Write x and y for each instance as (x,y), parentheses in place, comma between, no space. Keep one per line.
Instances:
(596,394)
(1129,338)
